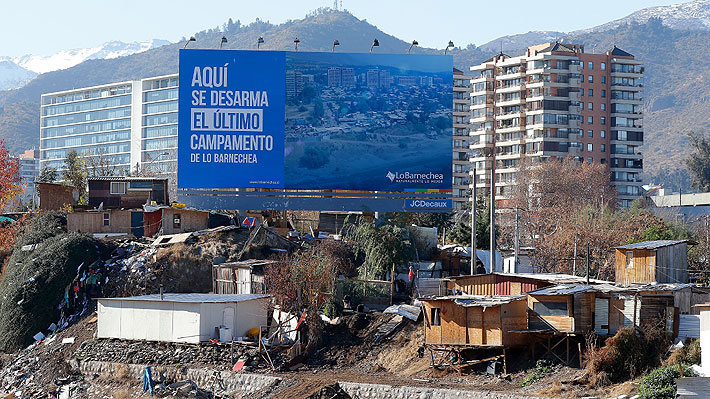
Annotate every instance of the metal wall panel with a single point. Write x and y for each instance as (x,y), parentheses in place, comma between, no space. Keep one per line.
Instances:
(601,316)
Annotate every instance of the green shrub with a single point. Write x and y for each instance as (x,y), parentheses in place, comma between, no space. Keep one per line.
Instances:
(542,368)
(660,383)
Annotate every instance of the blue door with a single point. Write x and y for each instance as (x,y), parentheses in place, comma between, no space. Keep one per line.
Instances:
(137,224)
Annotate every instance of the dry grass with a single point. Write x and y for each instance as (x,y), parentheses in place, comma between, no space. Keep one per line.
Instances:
(121,394)
(553,391)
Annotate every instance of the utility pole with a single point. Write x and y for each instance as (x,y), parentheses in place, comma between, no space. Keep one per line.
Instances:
(517,242)
(473,225)
(574,257)
(587,264)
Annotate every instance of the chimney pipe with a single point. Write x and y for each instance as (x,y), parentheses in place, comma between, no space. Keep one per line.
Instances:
(161,292)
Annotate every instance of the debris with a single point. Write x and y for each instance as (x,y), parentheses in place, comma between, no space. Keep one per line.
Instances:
(93,319)
(238,365)
(52,327)
(38,337)
(409,311)
(69,340)
(388,328)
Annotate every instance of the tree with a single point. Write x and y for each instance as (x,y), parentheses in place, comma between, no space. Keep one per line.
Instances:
(10,181)
(75,174)
(462,231)
(698,162)
(98,164)
(384,247)
(48,174)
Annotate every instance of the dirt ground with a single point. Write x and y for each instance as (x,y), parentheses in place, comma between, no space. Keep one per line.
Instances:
(352,353)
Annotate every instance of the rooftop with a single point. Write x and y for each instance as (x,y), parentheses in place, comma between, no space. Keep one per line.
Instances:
(191,298)
(550,277)
(468,301)
(619,52)
(123,178)
(653,244)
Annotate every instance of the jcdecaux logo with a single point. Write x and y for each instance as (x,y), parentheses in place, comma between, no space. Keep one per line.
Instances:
(427,204)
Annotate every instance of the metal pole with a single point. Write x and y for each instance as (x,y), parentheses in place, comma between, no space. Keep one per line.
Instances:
(473,225)
(587,264)
(517,242)
(492,224)
(574,257)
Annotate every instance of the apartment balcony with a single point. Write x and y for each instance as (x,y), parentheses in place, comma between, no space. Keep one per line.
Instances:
(516,101)
(627,87)
(632,101)
(574,68)
(574,109)
(574,123)
(634,75)
(574,82)
(510,129)
(574,96)
(511,89)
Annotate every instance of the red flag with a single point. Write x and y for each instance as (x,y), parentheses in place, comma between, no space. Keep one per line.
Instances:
(411,273)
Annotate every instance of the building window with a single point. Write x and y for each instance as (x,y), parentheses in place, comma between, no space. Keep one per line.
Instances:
(602,133)
(590,119)
(550,308)
(602,161)
(603,105)
(118,187)
(591,92)
(581,105)
(603,120)
(435,316)
(603,93)
(107,219)
(581,92)
(590,147)
(590,160)
(590,106)
(603,79)
(581,65)
(602,148)
(590,133)
(629,259)
(591,65)
(590,79)
(176,221)
(603,66)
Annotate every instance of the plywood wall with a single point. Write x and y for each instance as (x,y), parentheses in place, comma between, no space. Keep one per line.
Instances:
(642,270)
(559,323)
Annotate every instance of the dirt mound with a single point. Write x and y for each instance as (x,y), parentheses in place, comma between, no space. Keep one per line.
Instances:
(330,392)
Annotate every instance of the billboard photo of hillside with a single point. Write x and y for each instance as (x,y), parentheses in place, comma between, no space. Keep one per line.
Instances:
(368,121)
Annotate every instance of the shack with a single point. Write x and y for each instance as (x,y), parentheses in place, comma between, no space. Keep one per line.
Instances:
(455,324)
(510,283)
(244,277)
(191,318)
(126,192)
(661,261)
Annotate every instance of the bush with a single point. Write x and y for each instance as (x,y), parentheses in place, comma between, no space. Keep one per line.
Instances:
(543,367)
(626,355)
(689,354)
(660,383)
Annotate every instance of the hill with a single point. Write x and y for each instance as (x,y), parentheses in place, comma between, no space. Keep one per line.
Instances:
(676,96)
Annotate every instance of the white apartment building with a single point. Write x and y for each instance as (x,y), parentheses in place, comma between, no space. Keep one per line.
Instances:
(29,170)
(131,125)
(461,115)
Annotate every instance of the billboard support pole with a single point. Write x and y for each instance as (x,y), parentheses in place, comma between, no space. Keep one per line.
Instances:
(473,225)
(492,224)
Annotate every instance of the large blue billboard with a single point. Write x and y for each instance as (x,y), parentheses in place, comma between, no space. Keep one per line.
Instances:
(315,121)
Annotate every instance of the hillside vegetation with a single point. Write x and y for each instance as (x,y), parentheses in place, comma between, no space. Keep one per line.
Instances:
(676,95)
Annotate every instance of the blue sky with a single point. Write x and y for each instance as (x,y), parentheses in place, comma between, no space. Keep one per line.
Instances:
(46,26)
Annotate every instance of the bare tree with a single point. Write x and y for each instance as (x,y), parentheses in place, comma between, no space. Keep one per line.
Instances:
(99,164)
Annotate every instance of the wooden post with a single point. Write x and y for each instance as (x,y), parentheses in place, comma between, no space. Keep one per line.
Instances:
(567,339)
(505,362)
(579,348)
(392,285)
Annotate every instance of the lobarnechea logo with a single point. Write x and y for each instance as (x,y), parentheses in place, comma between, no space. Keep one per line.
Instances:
(409,177)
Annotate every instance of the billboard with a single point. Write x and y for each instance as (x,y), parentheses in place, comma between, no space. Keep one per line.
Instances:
(315,121)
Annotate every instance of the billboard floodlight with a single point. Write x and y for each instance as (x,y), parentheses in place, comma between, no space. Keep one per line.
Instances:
(375,43)
(224,40)
(191,39)
(296,42)
(414,43)
(450,45)
(335,43)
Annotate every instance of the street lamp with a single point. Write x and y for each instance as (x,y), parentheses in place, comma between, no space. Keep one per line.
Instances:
(224,40)
(191,39)
(296,41)
(414,43)
(259,42)
(375,43)
(335,43)
(450,45)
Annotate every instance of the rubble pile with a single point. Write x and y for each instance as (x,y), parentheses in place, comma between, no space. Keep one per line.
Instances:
(165,353)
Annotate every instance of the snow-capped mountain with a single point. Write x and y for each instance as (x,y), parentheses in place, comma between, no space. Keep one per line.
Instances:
(520,41)
(12,75)
(692,15)
(68,58)
(15,72)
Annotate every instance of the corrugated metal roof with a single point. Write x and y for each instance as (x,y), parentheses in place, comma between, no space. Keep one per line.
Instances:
(191,298)
(569,289)
(124,178)
(477,300)
(652,244)
(549,277)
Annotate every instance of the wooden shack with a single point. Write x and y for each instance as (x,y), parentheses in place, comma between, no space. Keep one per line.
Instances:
(474,320)
(244,277)
(509,283)
(126,192)
(661,261)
